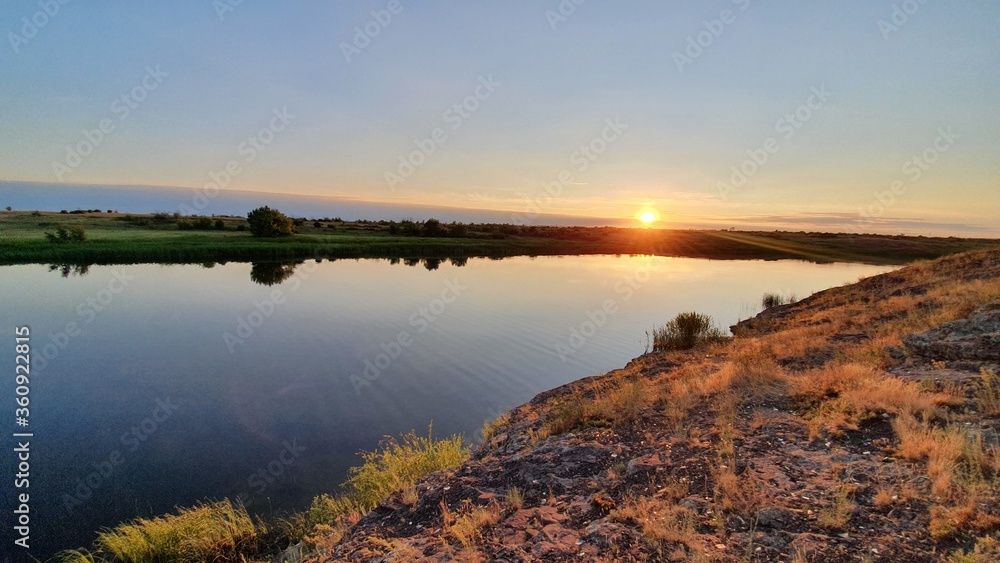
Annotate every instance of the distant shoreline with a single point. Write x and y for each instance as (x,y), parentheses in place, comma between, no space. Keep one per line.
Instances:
(114,238)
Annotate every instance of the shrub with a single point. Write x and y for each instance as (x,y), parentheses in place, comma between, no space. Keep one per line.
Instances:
(686,331)
(269,223)
(457,230)
(772,300)
(67,234)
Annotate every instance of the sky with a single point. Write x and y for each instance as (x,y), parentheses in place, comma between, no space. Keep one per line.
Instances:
(872,116)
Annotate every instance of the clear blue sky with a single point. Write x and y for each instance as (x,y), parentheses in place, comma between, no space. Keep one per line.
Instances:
(890,92)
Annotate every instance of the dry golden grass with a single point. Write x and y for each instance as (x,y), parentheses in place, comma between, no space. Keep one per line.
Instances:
(941,447)
(665,525)
(738,494)
(838,513)
(514,498)
(468,527)
(621,406)
(884,497)
(987,395)
(492,427)
(965,518)
(218,531)
(750,372)
(618,404)
(409,495)
(987,550)
(839,397)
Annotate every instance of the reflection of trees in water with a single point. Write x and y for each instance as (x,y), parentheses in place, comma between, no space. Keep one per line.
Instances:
(272,273)
(70,269)
(430,264)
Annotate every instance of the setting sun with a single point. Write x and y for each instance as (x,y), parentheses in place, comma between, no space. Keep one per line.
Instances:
(647,217)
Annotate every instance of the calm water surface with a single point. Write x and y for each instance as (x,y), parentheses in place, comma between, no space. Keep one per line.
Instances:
(183,383)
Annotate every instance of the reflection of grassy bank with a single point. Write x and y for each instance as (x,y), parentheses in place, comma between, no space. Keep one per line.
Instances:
(114,239)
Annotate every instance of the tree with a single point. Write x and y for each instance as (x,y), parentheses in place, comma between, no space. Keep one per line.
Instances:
(432,228)
(272,273)
(268,223)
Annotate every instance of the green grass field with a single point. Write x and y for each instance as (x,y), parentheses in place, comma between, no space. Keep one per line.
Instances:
(116,238)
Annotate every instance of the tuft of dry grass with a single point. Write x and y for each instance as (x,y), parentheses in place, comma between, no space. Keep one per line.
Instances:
(664,525)
(839,397)
(514,498)
(941,447)
(400,463)
(492,427)
(739,494)
(750,372)
(837,515)
(966,518)
(987,394)
(468,527)
(986,550)
(618,405)
(218,531)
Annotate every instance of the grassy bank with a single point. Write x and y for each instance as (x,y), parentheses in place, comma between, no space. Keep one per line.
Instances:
(224,531)
(113,238)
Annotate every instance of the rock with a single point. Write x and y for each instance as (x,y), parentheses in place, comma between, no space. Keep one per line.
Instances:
(541,516)
(606,535)
(774,517)
(976,338)
(644,464)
